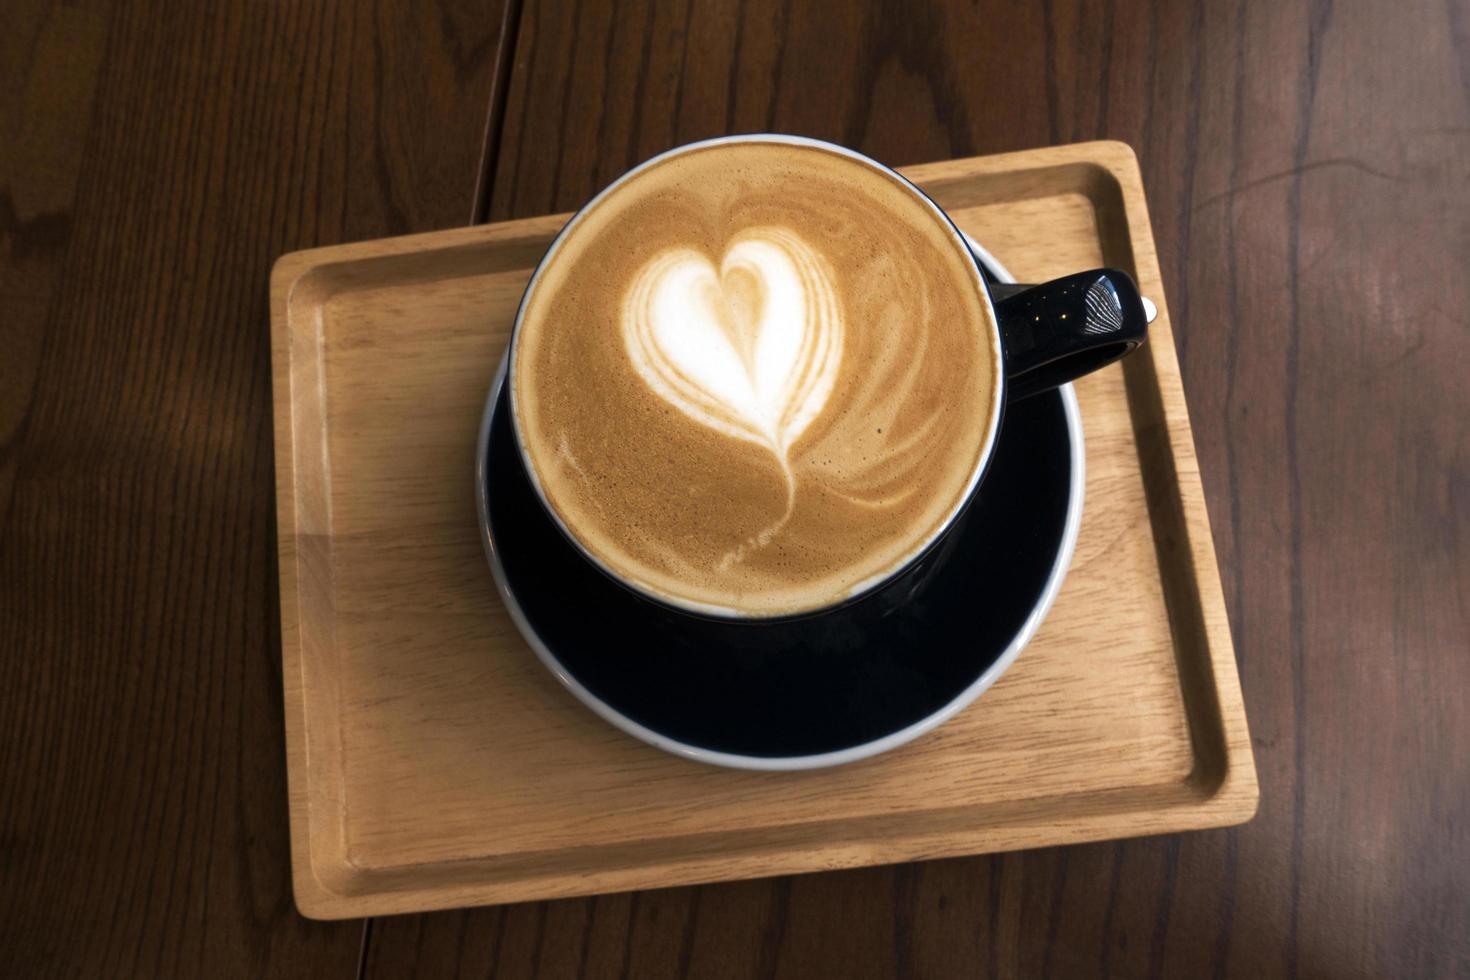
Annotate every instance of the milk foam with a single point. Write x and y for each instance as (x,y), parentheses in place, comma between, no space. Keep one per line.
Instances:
(750,350)
(755,377)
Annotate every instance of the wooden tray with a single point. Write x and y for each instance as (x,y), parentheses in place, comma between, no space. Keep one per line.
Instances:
(433,762)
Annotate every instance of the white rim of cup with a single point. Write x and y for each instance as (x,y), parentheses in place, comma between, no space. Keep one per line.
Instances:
(820,760)
(859,589)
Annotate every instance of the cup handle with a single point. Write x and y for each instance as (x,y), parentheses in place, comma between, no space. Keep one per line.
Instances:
(1060,330)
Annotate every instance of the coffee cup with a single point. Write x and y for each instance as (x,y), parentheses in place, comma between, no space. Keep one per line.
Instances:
(759,377)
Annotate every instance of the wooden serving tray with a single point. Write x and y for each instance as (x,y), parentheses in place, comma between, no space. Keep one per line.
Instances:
(433,761)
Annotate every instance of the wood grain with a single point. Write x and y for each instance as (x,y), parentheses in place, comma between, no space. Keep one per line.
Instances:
(154,159)
(435,763)
(1306,167)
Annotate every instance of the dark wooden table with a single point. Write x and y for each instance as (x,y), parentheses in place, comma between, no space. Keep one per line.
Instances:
(1308,170)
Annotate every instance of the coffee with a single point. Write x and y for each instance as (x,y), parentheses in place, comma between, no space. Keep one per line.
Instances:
(756,377)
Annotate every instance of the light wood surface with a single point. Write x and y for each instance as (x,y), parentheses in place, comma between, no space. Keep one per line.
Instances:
(434,763)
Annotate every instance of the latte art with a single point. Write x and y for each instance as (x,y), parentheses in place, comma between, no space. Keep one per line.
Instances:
(750,350)
(756,377)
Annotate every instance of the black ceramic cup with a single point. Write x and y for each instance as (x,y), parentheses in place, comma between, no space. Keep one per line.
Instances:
(1044,335)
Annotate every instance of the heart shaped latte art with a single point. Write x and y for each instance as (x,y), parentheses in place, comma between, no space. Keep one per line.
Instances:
(750,349)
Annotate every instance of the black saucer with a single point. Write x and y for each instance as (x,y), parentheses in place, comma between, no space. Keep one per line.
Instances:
(822,690)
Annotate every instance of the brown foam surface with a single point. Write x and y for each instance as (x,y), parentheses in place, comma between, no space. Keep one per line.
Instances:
(822,479)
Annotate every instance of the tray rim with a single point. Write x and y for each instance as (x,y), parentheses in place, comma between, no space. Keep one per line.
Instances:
(1221,794)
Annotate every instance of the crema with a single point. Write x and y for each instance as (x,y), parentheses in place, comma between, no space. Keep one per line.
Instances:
(755,378)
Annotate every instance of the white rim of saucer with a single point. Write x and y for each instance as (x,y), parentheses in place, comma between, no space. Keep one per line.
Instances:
(819,760)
